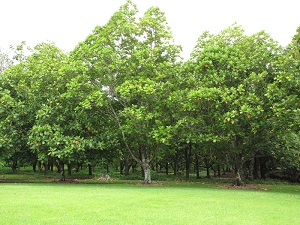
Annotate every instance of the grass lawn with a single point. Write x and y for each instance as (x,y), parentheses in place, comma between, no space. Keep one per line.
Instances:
(132,203)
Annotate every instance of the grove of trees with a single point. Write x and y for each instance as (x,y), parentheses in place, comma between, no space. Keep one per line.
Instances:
(124,97)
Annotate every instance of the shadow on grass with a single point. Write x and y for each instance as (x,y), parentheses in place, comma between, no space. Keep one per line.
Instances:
(159,180)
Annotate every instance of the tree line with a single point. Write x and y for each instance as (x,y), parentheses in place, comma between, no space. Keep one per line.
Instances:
(125,97)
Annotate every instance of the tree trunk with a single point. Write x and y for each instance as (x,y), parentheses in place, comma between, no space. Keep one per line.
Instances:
(263,168)
(127,168)
(145,164)
(90,169)
(126,165)
(14,165)
(207,166)
(133,165)
(237,168)
(251,168)
(215,171)
(238,163)
(40,166)
(197,167)
(188,150)
(142,171)
(107,167)
(50,167)
(69,169)
(34,164)
(62,167)
(238,180)
(167,168)
(57,166)
(176,162)
(208,172)
(147,176)
(45,168)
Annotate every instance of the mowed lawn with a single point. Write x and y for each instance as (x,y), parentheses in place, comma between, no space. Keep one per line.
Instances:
(22,203)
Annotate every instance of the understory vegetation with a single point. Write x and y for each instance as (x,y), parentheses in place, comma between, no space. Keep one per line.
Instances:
(125,101)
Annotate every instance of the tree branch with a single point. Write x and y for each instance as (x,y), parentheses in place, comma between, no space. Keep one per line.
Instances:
(123,134)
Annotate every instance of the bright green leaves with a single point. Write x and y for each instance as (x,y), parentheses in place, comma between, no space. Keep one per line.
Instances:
(137,89)
(225,104)
(156,35)
(284,96)
(48,141)
(284,92)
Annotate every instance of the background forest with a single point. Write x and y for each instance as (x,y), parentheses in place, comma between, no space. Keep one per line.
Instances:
(124,98)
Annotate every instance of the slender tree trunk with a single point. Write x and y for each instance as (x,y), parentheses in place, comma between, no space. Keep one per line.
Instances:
(40,166)
(63,176)
(167,168)
(127,168)
(176,161)
(238,180)
(45,168)
(51,164)
(251,168)
(34,164)
(133,165)
(90,169)
(208,172)
(57,166)
(238,163)
(197,167)
(126,165)
(14,165)
(237,168)
(263,168)
(188,150)
(69,169)
(215,171)
(207,166)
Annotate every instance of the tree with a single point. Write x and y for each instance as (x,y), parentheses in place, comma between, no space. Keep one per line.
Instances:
(284,95)
(129,59)
(231,71)
(16,116)
(64,131)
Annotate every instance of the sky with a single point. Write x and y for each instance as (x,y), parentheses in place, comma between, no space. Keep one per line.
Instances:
(67,22)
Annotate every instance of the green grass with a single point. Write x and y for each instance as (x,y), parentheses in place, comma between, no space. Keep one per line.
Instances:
(132,203)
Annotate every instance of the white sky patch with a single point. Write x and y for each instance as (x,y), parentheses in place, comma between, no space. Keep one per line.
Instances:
(67,22)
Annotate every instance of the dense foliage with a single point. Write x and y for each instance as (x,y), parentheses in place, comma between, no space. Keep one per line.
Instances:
(124,97)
